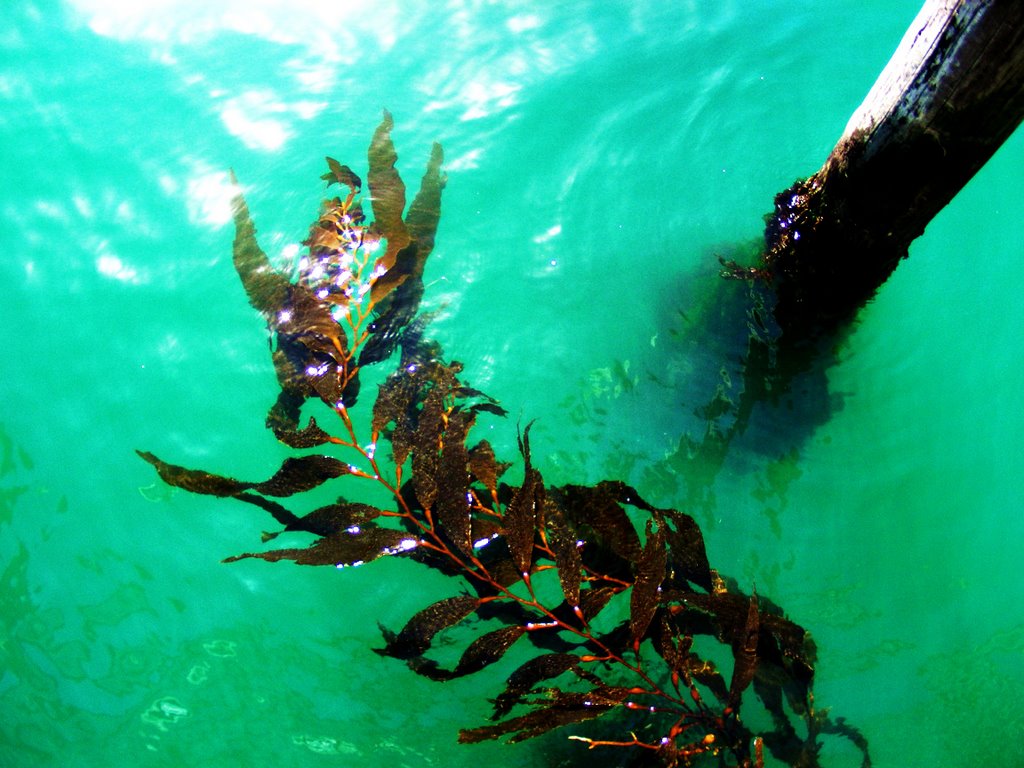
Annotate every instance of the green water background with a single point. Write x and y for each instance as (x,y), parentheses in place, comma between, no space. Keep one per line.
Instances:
(599,155)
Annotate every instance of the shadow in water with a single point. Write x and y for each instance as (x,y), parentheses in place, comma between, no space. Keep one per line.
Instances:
(755,389)
(718,383)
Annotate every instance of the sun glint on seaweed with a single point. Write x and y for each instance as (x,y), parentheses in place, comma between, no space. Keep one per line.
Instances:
(627,630)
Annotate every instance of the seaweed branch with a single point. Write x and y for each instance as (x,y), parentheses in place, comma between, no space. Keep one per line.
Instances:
(613,594)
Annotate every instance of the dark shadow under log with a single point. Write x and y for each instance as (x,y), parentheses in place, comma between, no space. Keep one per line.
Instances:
(950,96)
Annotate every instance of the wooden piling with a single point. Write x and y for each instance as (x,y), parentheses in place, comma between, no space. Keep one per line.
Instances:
(950,96)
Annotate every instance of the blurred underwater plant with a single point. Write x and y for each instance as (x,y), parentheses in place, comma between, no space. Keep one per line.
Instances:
(615,598)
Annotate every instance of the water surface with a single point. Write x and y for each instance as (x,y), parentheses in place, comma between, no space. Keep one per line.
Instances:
(600,155)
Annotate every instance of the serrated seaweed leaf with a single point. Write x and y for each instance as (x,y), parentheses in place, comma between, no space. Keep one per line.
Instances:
(396,296)
(669,645)
(387,325)
(425,210)
(521,520)
(395,400)
(523,515)
(565,547)
(484,466)
(759,640)
(398,291)
(487,649)
(705,673)
(314,351)
(283,421)
(596,513)
(495,557)
(301,474)
(426,458)
(453,506)
(196,480)
(688,558)
(342,548)
(787,646)
(650,573)
(291,309)
(266,288)
(527,675)
(387,192)
(745,654)
(720,614)
(296,475)
(418,633)
(594,600)
(488,407)
(310,321)
(332,518)
(565,709)
(392,317)
(289,360)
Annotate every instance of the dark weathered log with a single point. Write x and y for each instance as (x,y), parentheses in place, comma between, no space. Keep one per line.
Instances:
(951,95)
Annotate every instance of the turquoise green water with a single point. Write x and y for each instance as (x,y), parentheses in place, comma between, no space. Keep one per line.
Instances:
(599,155)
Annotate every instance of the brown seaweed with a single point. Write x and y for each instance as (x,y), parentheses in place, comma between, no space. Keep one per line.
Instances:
(418,633)
(296,475)
(348,547)
(650,574)
(618,637)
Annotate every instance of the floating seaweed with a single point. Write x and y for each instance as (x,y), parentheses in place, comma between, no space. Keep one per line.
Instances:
(615,596)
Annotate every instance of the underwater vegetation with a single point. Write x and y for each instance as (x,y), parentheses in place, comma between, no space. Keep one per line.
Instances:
(614,601)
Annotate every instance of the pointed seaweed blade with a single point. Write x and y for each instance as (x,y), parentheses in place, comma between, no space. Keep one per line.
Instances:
(284,516)
(484,465)
(308,321)
(395,399)
(425,210)
(418,633)
(597,513)
(332,518)
(564,545)
(595,599)
(650,573)
(295,476)
(283,421)
(266,288)
(387,191)
(453,507)
(195,480)
(745,654)
(426,457)
(565,709)
(521,520)
(301,474)
(687,556)
(343,548)
(524,511)
(527,675)
(487,649)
